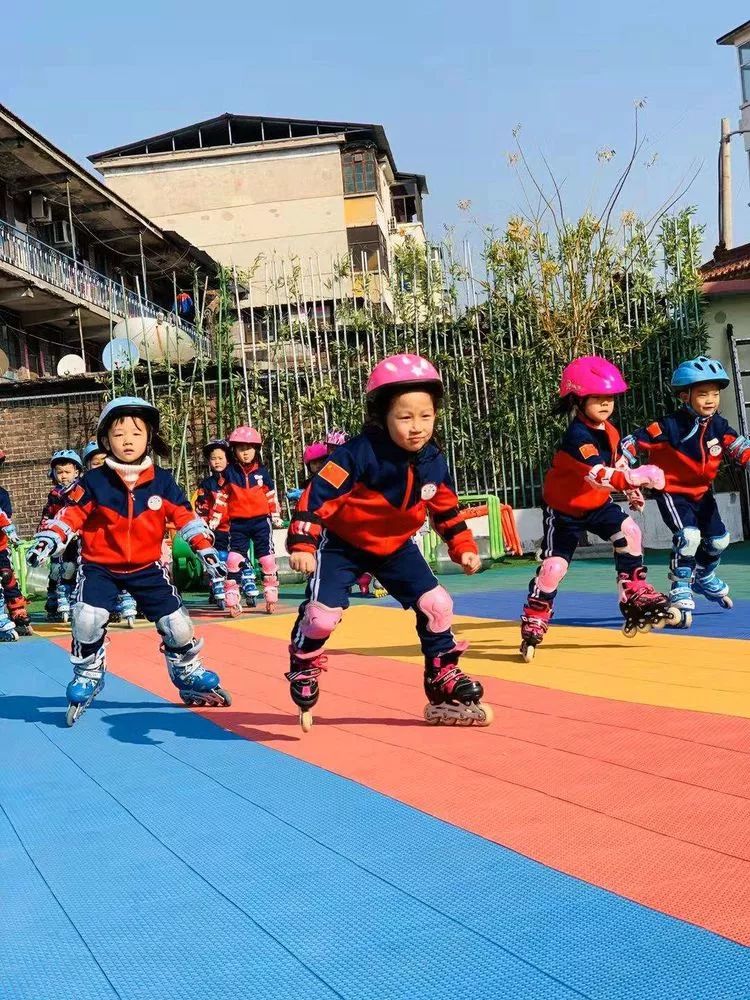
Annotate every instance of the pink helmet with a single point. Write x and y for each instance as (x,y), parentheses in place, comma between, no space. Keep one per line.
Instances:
(336,438)
(592,376)
(403,369)
(245,435)
(315,451)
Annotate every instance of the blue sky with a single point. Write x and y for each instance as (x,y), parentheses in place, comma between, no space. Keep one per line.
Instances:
(449,81)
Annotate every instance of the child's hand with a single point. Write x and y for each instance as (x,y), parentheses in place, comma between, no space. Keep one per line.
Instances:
(470,563)
(302,562)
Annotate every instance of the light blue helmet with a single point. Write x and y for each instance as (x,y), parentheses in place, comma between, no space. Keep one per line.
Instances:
(92,448)
(66,455)
(126,406)
(698,370)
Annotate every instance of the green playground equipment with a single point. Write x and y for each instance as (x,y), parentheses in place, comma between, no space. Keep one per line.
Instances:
(497,547)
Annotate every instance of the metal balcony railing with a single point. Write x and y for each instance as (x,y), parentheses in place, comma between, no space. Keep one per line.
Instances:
(43,261)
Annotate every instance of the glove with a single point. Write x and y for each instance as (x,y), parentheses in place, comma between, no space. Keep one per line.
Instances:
(214,522)
(276,521)
(293,495)
(645,475)
(212,564)
(46,544)
(636,500)
(12,535)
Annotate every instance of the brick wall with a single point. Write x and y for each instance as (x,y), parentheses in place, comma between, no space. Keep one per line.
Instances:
(29,432)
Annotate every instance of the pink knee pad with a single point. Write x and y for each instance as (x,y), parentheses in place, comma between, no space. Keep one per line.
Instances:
(437,607)
(550,574)
(319,620)
(235,562)
(630,531)
(268,565)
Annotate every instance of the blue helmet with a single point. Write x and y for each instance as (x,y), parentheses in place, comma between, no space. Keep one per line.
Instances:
(92,448)
(697,370)
(66,455)
(126,406)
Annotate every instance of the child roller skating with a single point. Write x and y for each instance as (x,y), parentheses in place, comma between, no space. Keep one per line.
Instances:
(211,505)
(126,609)
(586,469)
(66,468)
(689,445)
(120,511)
(253,512)
(358,515)
(14,615)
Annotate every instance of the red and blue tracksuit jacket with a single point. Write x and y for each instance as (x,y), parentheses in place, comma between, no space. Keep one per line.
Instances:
(122,527)
(585,469)
(6,514)
(689,449)
(375,496)
(249,491)
(211,504)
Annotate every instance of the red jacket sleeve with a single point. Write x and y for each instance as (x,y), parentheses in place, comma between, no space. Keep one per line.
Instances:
(325,491)
(447,522)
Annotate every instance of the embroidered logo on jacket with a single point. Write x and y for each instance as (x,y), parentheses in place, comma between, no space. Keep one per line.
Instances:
(654,430)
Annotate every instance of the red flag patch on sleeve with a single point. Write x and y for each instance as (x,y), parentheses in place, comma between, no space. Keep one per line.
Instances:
(333,474)
(654,430)
(588,450)
(76,493)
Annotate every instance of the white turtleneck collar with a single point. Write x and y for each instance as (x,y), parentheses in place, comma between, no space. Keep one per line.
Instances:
(129,473)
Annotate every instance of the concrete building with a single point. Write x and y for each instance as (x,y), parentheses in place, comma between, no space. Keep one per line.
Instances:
(75,257)
(295,202)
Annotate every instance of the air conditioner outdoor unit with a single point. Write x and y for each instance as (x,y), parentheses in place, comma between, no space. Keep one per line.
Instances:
(41,210)
(59,234)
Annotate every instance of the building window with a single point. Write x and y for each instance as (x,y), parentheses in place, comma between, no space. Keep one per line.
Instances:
(404,202)
(367,249)
(360,171)
(744,51)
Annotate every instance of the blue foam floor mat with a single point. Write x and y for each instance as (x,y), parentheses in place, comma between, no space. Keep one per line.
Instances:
(147,853)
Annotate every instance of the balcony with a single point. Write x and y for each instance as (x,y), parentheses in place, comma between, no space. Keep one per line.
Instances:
(26,257)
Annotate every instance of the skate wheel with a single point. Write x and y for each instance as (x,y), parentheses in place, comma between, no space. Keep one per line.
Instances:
(65,618)
(220,605)
(528,652)
(270,609)
(726,602)
(306,720)
(225,697)
(130,622)
(486,715)
(629,631)
(431,716)
(645,626)
(251,602)
(75,711)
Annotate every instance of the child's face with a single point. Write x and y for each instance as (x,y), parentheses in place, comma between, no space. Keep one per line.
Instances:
(95,461)
(316,465)
(244,453)
(597,409)
(128,439)
(65,473)
(411,420)
(217,460)
(704,398)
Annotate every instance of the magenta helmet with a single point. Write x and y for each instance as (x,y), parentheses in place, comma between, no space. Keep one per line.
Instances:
(403,370)
(245,435)
(592,376)
(315,451)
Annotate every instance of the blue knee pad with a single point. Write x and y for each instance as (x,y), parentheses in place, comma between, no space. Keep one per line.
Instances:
(713,546)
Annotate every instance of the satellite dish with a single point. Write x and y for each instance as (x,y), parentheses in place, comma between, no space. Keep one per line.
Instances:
(4,363)
(71,364)
(120,353)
